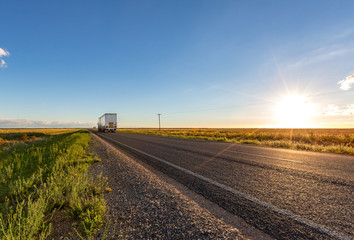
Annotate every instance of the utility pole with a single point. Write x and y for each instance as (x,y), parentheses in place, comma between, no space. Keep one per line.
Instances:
(159,114)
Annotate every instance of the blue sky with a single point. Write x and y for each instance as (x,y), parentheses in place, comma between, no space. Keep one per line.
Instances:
(198,63)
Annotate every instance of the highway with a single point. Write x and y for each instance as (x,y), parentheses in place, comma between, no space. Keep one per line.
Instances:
(285,193)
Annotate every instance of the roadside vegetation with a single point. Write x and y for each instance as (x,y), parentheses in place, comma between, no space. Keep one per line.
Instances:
(320,140)
(40,175)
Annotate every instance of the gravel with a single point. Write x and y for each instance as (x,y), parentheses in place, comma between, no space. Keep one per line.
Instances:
(146,207)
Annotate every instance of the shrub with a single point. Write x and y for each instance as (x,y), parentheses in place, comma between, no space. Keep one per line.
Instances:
(24,137)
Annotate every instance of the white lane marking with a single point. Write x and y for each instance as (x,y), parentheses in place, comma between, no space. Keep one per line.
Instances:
(284,212)
(264,156)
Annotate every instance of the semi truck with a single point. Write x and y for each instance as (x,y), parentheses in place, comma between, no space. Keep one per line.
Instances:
(107,122)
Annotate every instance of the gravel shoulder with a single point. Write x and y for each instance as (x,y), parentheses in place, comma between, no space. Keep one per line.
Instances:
(147,207)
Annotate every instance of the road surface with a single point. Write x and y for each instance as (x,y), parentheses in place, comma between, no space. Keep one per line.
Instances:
(285,193)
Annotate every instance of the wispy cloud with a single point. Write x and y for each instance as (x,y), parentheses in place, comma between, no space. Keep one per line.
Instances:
(3,53)
(336,47)
(342,35)
(347,82)
(334,110)
(322,54)
(2,63)
(27,123)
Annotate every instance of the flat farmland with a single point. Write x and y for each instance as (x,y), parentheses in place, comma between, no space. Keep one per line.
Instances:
(319,140)
(16,136)
(47,131)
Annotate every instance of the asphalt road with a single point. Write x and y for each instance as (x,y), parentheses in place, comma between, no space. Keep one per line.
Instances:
(287,194)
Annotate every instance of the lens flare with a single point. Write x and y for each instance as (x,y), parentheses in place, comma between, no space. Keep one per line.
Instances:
(294,111)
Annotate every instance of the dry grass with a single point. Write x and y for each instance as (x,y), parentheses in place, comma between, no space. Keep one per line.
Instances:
(320,140)
(11,136)
(46,131)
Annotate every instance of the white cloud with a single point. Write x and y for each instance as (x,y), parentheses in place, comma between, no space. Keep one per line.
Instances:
(26,123)
(4,53)
(347,82)
(334,110)
(2,64)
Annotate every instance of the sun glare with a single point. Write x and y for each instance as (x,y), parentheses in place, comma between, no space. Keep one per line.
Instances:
(294,111)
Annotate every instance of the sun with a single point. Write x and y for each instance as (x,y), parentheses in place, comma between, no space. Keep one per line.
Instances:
(294,111)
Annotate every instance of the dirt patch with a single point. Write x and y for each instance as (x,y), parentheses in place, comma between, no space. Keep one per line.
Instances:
(62,226)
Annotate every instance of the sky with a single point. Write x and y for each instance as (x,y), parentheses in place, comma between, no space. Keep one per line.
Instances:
(202,63)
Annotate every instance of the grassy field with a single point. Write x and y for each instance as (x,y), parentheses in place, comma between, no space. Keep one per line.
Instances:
(13,136)
(320,140)
(42,175)
(46,131)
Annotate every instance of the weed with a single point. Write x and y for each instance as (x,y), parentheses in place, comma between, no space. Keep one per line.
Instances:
(91,215)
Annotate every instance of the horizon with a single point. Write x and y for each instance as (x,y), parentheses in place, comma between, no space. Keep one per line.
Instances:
(200,64)
(169,128)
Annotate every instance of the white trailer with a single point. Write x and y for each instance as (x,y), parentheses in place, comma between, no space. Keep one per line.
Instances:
(107,122)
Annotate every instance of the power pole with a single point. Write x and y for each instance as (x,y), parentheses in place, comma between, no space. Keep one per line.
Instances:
(159,114)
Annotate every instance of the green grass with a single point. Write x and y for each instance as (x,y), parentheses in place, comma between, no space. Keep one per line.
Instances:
(39,177)
(320,140)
